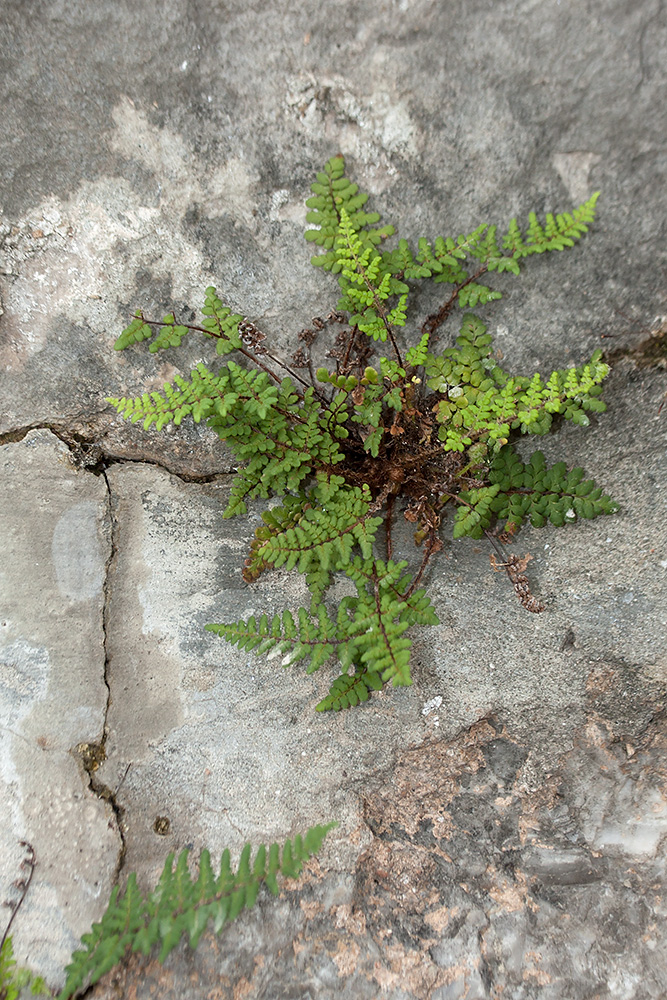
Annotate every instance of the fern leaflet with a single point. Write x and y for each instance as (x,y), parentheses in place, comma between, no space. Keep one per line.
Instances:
(14,980)
(350,689)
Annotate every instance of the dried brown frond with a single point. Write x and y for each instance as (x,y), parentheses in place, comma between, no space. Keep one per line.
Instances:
(299,359)
(514,566)
(252,336)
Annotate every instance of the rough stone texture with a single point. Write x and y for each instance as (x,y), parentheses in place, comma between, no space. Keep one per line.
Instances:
(53,697)
(503,823)
(224,746)
(551,793)
(151,159)
(474,885)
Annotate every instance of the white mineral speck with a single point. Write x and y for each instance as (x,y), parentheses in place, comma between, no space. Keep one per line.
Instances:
(430,706)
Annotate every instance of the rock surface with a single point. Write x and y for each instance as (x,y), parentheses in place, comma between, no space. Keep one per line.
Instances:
(503,821)
(53,694)
(474,885)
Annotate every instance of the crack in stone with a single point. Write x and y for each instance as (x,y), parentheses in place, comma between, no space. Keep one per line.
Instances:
(90,456)
(650,352)
(94,754)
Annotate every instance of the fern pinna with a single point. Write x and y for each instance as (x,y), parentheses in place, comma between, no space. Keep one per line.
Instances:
(350,447)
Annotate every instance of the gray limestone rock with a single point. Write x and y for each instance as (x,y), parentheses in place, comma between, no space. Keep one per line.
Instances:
(502,821)
(224,746)
(472,886)
(53,697)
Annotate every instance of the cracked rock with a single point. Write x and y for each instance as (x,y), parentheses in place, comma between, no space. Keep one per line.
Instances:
(222,747)
(54,522)
(151,150)
(464,891)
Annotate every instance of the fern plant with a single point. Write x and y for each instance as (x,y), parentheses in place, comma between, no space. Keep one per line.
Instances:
(14,980)
(181,905)
(348,447)
(178,906)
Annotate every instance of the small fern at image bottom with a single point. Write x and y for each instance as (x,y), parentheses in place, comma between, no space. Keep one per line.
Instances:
(14,981)
(183,906)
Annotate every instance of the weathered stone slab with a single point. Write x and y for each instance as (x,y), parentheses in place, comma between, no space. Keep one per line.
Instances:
(54,523)
(473,885)
(143,156)
(225,746)
(174,178)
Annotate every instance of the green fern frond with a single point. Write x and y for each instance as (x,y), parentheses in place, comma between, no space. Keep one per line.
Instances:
(350,689)
(221,399)
(482,403)
(468,363)
(221,323)
(476,514)
(368,630)
(539,492)
(366,283)
(303,639)
(445,257)
(171,334)
(342,446)
(274,522)
(474,294)
(426,256)
(280,451)
(418,354)
(280,436)
(181,906)
(198,397)
(485,247)
(134,333)
(401,261)
(382,615)
(533,492)
(332,522)
(334,196)
(14,980)
(557,233)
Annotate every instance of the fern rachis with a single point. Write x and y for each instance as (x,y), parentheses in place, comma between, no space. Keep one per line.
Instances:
(179,906)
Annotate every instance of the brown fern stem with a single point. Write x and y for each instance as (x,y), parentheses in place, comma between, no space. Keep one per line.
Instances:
(433,545)
(242,350)
(22,884)
(432,322)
